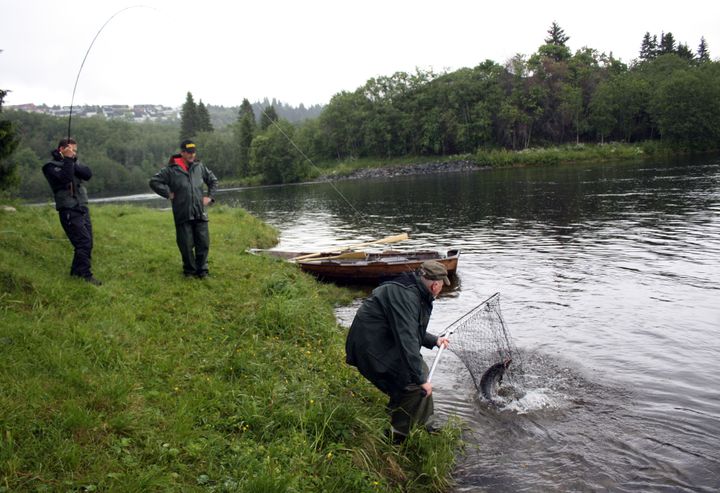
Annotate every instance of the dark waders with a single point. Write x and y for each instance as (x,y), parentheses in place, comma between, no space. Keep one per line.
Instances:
(193,240)
(77,226)
(409,407)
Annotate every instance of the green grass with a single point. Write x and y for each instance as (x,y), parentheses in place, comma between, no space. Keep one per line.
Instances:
(154,382)
(563,154)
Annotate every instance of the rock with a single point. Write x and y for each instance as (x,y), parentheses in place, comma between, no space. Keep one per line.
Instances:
(9,208)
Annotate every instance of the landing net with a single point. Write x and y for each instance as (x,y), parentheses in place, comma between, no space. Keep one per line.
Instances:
(480,339)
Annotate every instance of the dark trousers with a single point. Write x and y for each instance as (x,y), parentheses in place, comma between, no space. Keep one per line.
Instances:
(193,240)
(409,407)
(78,228)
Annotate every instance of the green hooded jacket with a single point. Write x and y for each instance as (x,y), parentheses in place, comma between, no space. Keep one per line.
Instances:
(187,187)
(388,331)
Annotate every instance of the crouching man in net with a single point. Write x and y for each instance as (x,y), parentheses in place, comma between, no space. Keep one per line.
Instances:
(385,339)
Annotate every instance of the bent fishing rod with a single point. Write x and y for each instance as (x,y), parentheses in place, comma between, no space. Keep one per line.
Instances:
(77,78)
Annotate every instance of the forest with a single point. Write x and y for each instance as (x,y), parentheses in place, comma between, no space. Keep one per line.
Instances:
(668,96)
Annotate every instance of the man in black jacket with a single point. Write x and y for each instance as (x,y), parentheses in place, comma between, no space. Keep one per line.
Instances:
(385,338)
(66,175)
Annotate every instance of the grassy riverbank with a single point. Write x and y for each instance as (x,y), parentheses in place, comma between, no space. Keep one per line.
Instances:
(494,158)
(153,382)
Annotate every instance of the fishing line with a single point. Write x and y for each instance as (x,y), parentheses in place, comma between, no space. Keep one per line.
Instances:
(357,212)
(77,78)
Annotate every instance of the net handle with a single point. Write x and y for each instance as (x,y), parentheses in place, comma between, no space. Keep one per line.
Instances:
(449,330)
(435,363)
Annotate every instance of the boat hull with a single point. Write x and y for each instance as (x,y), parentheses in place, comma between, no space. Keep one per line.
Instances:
(374,268)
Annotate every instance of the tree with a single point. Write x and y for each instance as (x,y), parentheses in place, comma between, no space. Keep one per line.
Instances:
(557,35)
(571,109)
(269,115)
(601,111)
(274,157)
(189,118)
(684,51)
(554,47)
(648,48)
(246,109)
(703,55)
(8,143)
(686,106)
(667,44)
(203,118)
(245,129)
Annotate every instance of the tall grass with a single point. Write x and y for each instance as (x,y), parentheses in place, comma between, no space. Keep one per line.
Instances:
(499,158)
(154,382)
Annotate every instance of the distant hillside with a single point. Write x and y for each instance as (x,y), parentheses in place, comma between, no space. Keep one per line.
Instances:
(221,116)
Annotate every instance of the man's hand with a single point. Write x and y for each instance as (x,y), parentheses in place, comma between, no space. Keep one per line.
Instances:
(171,196)
(207,200)
(427,388)
(443,342)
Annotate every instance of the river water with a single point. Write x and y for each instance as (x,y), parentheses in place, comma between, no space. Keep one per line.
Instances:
(608,277)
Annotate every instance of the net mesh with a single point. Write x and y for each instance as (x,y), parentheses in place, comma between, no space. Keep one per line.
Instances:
(480,339)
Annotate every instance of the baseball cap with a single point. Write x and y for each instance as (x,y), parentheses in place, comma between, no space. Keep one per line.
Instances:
(435,271)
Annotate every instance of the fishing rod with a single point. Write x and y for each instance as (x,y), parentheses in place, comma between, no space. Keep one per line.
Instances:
(77,78)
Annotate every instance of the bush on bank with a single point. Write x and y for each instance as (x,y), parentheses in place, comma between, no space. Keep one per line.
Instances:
(156,382)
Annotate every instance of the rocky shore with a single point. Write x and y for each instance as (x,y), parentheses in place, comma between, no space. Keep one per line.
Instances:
(408,170)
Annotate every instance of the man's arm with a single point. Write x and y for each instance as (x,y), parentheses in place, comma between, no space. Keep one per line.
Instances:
(83,172)
(59,175)
(211,181)
(160,184)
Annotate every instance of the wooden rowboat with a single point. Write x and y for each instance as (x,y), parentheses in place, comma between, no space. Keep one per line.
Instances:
(364,267)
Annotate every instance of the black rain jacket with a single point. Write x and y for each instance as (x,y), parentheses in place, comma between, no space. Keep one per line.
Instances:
(66,176)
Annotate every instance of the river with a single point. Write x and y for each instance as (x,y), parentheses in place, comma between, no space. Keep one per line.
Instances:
(608,277)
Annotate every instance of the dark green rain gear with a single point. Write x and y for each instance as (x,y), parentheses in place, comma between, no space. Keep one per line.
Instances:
(190,215)
(384,344)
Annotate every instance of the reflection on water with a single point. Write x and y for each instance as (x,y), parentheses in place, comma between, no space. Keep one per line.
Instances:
(609,282)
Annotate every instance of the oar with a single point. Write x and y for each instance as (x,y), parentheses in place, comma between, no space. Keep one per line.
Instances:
(340,256)
(387,239)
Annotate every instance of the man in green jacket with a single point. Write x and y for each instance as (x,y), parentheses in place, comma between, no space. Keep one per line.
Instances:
(181,181)
(385,339)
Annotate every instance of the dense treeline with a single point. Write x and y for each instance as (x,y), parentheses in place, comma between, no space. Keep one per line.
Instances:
(122,155)
(669,95)
(552,97)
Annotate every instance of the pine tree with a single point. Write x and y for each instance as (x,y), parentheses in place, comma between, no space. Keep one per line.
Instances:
(268,116)
(648,48)
(703,55)
(246,109)
(246,128)
(684,51)
(557,35)
(667,43)
(203,118)
(188,123)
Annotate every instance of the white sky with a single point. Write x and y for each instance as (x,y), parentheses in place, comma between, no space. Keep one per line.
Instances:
(301,51)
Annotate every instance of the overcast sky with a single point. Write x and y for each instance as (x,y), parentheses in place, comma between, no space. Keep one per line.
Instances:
(299,51)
